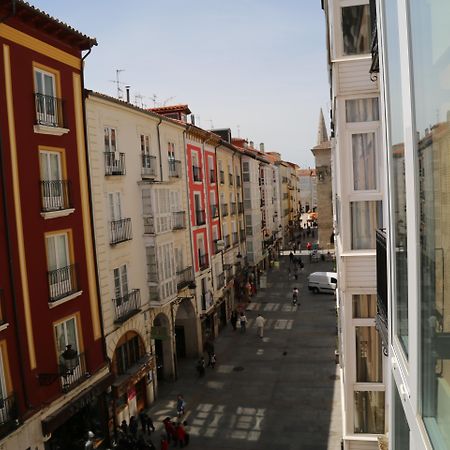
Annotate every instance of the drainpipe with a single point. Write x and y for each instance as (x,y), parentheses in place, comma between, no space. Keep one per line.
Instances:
(159,150)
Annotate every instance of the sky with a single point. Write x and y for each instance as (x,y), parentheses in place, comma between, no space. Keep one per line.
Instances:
(255,66)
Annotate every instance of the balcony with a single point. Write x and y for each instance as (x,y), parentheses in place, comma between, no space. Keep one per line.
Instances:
(127,306)
(240,208)
(178,220)
(220,281)
(382,297)
(375,65)
(200,217)
(242,235)
(235,238)
(230,179)
(62,282)
(262,181)
(148,169)
(227,240)
(263,224)
(120,231)
(55,195)
(222,177)
(224,209)
(114,163)
(214,211)
(8,414)
(233,208)
(174,168)
(262,203)
(203,261)
(212,176)
(185,278)
(197,173)
(49,111)
(238,181)
(73,372)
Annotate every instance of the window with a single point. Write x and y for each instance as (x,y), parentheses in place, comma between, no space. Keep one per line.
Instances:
(401,427)
(171,151)
(369,412)
(366,217)
(145,145)
(364,162)
(364,306)
(356,31)
(55,193)
(110,140)
(66,334)
(167,270)
(120,282)
(368,355)
(48,108)
(362,110)
(128,354)
(3,392)
(115,209)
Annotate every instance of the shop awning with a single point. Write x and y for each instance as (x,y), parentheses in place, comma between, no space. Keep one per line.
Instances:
(55,420)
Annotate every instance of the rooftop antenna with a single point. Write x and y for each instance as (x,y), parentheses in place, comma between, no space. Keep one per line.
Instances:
(167,100)
(138,100)
(153,98)
(118,83)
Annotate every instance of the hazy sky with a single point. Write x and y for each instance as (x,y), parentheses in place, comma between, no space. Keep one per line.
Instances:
(259,65)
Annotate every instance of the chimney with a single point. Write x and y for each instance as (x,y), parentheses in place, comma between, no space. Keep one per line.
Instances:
(192,119)
(252,144)
(261,147)
(127,88)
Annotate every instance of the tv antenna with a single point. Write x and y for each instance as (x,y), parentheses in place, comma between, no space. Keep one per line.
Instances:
(118,83)
(153,98)
(167,100)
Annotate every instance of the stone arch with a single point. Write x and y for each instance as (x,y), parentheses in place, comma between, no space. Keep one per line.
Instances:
(187,332)
(164,348)
(139,347)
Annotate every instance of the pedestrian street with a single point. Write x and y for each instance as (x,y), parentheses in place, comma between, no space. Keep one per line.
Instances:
(279,391)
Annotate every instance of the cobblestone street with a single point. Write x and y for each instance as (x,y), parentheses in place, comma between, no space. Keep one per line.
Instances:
(281,391)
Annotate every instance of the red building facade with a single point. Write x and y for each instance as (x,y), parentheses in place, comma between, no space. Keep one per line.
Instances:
(50,337)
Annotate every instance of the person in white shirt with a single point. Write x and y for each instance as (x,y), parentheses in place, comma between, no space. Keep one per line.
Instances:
(260,325)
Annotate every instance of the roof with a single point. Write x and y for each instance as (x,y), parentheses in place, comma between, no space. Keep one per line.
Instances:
(172,108)
(306,172)
(44,23)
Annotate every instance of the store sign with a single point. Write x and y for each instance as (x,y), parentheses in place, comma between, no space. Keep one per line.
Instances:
(159,333)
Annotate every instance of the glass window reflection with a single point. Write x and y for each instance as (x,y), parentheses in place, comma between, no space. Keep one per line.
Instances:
(356,30)
(364,306)
(430,45)
(369,412)
(369,367)
(366,217)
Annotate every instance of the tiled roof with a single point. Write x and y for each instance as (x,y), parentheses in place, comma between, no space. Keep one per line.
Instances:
(162,109)
(22,7)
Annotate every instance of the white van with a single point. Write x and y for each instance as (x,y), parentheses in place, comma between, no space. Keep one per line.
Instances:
(322,282)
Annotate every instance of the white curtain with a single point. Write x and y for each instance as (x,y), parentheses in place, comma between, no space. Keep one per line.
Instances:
(362,110)
(365,219)
(364,162)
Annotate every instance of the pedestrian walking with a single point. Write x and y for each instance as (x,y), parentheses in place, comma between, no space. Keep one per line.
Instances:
(181,435)
(181,404)
(124,427)
(201,365)
(243,322)
(149,424)
(164,443)
(294,296)
(260,325)
(212,361)
(143,419)
(209,348)
(234,319)
(291,257)
(133,427)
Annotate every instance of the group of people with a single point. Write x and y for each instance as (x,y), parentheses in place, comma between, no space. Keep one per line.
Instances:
(128,438)
(201,363)
(176,434)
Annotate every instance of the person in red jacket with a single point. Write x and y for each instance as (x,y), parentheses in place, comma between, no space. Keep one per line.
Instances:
(164,443)
(181,435)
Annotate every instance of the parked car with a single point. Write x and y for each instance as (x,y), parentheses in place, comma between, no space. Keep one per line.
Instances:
(322,282)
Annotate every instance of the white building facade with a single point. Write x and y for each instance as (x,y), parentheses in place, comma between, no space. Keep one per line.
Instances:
(359,210)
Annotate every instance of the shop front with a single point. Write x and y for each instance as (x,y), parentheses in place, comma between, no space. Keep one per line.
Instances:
(133,386)
(68,426)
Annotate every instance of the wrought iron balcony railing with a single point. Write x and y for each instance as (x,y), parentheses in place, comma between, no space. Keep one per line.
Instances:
(8,414)
(224,209)
(148,168)
(197,173)
(200,217)
(62,282)
(174,168)
(262,202)
(203,261)
(178,220)
(114,163)
(55,195)
(74,373)
(120,231)
(185,277)
(127,306)
(49,111)
(214,211)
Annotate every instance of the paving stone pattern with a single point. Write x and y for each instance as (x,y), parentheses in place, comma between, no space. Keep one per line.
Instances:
(278,392)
